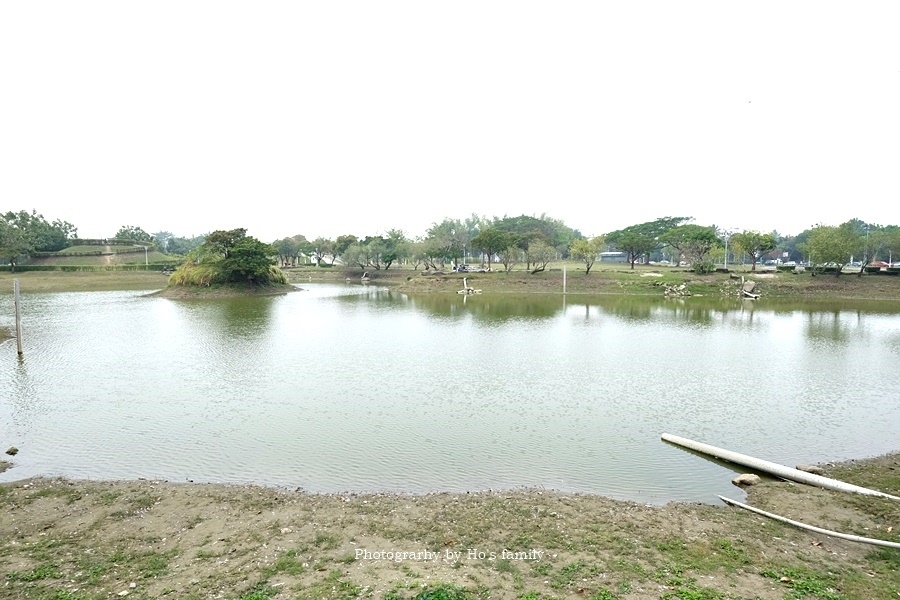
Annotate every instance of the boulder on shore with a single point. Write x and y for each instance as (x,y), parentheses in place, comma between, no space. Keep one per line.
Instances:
(810,469)
(746,479)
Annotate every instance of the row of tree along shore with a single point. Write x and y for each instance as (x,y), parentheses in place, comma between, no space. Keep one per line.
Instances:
(497,243)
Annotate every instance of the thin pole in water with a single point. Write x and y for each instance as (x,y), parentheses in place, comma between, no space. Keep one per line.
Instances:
(564,279)
(18,316)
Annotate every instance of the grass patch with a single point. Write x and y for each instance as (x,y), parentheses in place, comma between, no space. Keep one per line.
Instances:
(324,541)
(42,571)
(286,564)
(803,583)
(573,573)
(445,591)
(333,586)
(69,494)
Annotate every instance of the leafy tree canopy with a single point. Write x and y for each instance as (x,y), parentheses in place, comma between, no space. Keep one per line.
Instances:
(130,232)
(586,250)
(835,244)
(754,244)
(23,233)
(695,242)
(526,230)
(491,241)
(643,238)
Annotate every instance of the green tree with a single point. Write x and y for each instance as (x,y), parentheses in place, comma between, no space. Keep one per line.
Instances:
(183,245)
(446,241)
(540,253)
(287,250)
(886,245)
(341,244)
(586,250)
(374,249)
(135,234)
(162,239)
(229,257)
(247,261)
(828,244)
(220,242)
(695,242)
(356,254)
(528,229)
(24,233)
(416,253)
(393,247)
(643,238)
(13,244)
(754,244)
(491,241)
(320,248)
(510,256)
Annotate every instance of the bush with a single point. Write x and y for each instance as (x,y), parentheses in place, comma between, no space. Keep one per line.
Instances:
(703,267)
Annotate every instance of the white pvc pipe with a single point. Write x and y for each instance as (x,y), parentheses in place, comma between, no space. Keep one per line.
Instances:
(843,536)
(774,468)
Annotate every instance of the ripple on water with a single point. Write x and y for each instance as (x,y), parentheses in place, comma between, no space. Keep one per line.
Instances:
(349,388)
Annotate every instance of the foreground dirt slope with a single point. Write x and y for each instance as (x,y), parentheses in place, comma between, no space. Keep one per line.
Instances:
(78,540)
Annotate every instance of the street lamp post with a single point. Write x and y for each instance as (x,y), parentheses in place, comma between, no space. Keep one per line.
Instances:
(726,251)
(146,256)
(726,233)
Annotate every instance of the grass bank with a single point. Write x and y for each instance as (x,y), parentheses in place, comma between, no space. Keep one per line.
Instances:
(79,540)
(221,290)
(606,279)
(619,279)
(83,281)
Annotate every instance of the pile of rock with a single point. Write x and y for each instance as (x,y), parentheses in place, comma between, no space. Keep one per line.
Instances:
(671,290)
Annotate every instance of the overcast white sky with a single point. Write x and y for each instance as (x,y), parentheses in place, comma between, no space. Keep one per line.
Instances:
(325,118)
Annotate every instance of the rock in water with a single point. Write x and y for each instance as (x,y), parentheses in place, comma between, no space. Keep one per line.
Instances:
(12,451)
(746,479)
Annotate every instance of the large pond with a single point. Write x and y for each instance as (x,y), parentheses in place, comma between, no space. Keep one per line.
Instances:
(351,388)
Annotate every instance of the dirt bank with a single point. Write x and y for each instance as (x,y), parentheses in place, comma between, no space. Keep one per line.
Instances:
(151,539)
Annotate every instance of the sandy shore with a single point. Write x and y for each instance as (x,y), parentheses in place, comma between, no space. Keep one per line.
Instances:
(152,539)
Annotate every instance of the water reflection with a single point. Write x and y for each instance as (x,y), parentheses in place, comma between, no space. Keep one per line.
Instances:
(489,308)
(836,326)
(228,316)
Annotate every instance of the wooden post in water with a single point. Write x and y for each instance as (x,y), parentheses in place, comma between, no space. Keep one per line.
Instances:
(18,316)
(564,279)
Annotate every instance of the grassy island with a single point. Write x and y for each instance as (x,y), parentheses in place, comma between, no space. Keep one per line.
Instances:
(228,263)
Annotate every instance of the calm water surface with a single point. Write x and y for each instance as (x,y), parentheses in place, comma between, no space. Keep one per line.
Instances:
(349,388)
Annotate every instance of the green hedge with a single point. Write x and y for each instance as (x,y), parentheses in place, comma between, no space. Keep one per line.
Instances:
(105,242)
(75,268)
(56,254)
